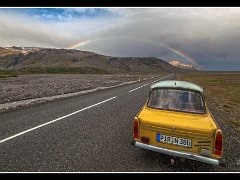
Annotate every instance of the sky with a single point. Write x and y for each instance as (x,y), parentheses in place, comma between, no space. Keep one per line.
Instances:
(205,37)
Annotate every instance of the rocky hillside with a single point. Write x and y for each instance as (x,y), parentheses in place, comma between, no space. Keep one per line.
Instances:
(44,59)
(183,65)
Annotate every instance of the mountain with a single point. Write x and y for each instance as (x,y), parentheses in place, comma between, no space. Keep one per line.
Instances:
(22,58)
(183,65)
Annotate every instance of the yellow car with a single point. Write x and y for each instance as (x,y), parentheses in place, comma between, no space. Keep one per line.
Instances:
(175,121)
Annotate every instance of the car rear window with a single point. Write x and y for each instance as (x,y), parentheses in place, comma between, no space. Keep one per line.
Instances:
(178,100)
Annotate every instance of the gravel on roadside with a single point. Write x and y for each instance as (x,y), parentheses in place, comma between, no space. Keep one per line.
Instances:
(26,90)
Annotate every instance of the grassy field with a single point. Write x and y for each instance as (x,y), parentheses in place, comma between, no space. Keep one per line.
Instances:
(62,70)
(222,92)
(6,74)
(51,70)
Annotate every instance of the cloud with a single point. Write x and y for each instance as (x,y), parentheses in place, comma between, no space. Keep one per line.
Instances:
(208,35)
(203,34)
(22,30)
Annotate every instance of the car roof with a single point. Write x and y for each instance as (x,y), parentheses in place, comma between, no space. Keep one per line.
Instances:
(177,84)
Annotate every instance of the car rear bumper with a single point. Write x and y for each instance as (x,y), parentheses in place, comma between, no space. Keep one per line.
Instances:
(181,154)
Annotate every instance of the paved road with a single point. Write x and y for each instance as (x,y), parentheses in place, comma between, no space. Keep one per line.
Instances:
(84,133)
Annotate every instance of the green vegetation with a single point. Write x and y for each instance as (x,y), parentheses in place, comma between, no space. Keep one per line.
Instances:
(6,74)
(62,70)
(51,70)
(213,81)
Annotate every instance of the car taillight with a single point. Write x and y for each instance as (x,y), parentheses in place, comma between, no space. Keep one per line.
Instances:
(218,143)
(135,128)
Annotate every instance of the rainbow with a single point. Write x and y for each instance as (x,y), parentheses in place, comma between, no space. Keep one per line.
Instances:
(175,50)
(181,53)
(78,44)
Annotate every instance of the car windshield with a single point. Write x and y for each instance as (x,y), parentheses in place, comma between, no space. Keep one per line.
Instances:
(178,100)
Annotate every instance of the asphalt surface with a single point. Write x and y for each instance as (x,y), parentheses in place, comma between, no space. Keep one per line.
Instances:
(85,133)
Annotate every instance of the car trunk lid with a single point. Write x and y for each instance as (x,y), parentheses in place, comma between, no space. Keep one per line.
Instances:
(198,128)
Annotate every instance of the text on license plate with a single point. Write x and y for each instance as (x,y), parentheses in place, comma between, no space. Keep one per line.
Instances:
(174,140)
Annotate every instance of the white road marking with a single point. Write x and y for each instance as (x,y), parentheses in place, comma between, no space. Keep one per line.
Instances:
(138,87)
(39,126)
(147,84)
